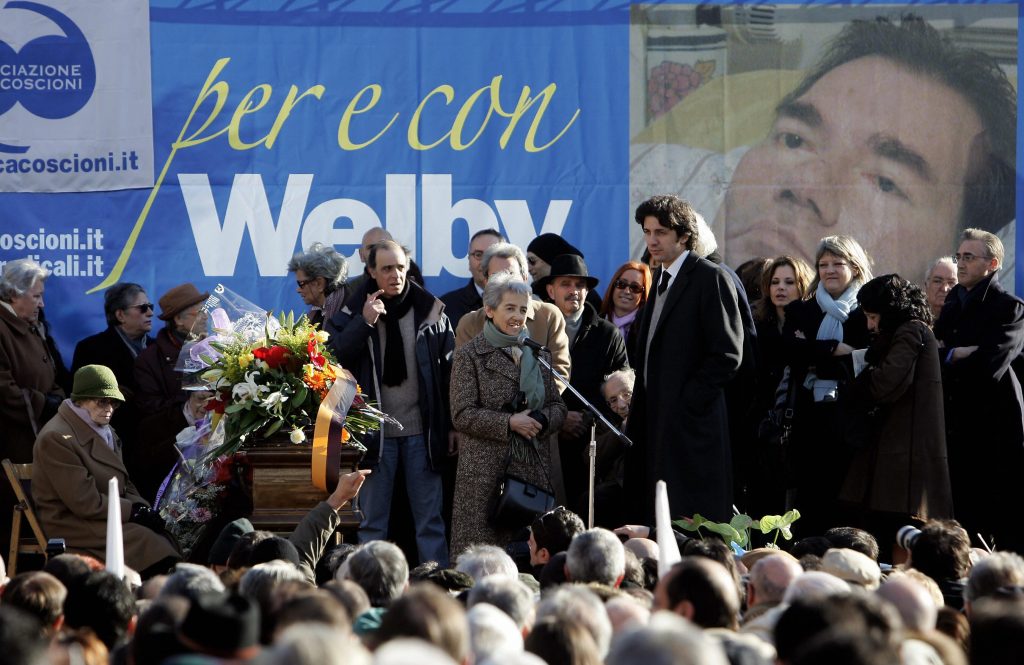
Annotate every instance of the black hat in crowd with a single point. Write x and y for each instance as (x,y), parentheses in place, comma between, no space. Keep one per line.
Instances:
(221,624)
(547,246)
(568,265)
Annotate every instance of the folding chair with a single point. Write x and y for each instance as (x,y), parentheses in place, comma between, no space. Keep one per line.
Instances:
(20,478)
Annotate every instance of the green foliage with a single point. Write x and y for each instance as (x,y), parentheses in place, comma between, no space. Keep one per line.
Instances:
(737,530)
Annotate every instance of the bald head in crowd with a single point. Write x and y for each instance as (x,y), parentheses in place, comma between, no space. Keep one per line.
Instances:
(913,602)
(769,579)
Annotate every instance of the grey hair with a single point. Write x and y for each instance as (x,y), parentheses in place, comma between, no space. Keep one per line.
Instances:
(480,561)
(501,284)
(627,374)
(813,585)
(704,243)
(504,250)
(19,276)
(119,297)
(668,639)
(992,572)
(848,249)
(596,555)
(942,260)
(491,632)
(190,581)
(993,245)
(581,605)
(380,568)
(509,595)
(314,644)
(321,260)
(259,583)
(407,650)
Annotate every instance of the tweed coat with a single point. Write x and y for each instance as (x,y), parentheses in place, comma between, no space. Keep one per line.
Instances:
(483,380)
(71,467)
(905,469)
(27,375)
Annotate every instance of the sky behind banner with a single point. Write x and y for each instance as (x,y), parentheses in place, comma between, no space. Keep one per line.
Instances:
(277,124)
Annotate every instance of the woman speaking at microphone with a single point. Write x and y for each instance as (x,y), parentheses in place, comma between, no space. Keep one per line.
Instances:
(507,408)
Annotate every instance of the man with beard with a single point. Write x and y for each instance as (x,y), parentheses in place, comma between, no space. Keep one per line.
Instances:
(396,339)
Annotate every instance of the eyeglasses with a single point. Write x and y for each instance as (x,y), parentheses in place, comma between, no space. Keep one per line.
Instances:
(478,254)
(301,283)
(144,307)
(106,402)
(634,288)
(968,257)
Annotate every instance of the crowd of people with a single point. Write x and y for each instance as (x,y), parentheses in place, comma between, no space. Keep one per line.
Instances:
(884,416)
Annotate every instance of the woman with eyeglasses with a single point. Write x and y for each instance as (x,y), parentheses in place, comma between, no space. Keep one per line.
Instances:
(624,299)
(901,474)
(74,457)
(320,274)
(817,332)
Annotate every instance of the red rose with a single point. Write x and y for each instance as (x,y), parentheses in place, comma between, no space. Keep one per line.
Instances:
(274,356)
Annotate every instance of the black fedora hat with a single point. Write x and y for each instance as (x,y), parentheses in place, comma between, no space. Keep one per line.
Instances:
(568,265)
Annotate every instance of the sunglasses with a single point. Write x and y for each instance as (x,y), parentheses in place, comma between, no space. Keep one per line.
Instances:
(144,307)
(633,287)
(301,283)
(107,402)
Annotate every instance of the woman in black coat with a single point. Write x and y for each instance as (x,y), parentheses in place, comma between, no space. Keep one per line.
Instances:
(785,279)
(816,334)
(901,473)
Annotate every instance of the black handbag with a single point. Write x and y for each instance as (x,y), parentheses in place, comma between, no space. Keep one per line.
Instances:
(776,427)
(518,501)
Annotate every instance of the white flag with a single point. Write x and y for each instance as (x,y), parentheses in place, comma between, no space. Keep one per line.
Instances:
(668,548)
(115,539)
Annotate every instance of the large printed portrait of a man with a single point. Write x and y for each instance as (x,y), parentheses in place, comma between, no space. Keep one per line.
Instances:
(897,129)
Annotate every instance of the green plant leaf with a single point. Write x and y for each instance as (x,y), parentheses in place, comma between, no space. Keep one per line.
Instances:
(690,523)
(300,396)
(235,408)
(274,427)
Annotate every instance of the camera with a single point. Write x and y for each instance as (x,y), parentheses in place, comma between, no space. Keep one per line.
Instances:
(55,546)
(907,536)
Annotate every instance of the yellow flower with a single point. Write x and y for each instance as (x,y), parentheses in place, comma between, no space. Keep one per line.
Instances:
(322,336)
(245,359)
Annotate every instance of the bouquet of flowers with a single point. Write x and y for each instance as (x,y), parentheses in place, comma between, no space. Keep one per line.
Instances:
(195,490)
(269,374)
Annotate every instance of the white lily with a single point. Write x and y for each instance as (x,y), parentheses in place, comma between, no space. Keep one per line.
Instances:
(248,390)
(274,402)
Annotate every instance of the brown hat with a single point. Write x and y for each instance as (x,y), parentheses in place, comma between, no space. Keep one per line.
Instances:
(178,299)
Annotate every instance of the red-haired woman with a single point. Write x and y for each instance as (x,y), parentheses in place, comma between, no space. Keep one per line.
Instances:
(624,299)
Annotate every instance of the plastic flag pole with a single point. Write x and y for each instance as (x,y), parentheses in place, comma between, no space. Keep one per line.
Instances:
(115,538)
(668,548)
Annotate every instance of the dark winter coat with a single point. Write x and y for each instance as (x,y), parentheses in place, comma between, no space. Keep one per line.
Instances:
(357,346)
(678,419)
(905,470)
(460,302)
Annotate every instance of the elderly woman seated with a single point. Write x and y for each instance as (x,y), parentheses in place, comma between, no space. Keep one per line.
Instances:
(75,456)
(320,279)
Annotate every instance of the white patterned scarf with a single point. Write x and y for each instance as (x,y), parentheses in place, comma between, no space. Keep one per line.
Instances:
(837,311)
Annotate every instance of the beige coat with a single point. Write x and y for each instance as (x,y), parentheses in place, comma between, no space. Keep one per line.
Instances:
(483,380)
(71,467)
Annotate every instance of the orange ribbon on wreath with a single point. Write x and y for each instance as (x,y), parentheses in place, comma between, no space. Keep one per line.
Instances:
(329,434)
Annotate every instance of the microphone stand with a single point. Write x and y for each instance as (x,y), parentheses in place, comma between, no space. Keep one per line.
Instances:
(592,451)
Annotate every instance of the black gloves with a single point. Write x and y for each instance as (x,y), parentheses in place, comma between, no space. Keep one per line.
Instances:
(144,516)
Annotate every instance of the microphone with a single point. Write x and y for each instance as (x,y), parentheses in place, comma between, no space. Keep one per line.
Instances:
(536,346)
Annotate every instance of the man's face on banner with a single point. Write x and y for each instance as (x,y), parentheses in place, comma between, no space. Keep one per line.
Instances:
(871,150)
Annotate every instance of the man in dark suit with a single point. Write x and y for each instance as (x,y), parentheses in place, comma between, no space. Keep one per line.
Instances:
(129,316)
(466,299)
(981,330)
(691,345)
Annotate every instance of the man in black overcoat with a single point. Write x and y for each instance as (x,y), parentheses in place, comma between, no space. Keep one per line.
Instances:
(468,298)
(981,329)
(690,346)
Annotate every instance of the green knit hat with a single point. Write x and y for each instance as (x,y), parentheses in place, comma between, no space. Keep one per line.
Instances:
(95,382)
